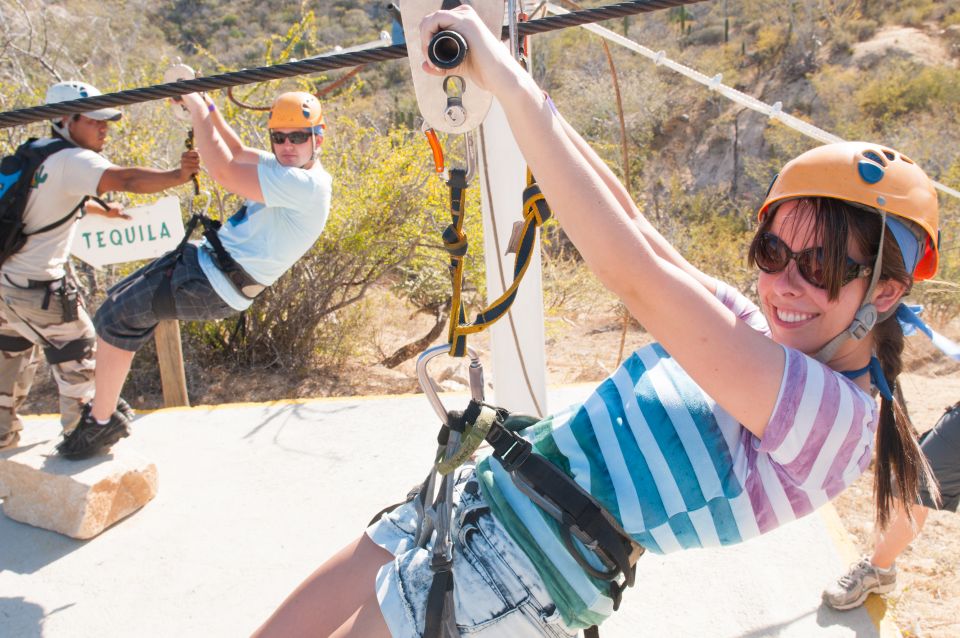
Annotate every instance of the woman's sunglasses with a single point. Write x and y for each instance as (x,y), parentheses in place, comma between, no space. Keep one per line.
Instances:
(297,137)
(772,256)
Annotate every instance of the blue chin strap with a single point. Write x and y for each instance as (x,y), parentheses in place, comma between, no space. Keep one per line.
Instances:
(910,323)
(877,377)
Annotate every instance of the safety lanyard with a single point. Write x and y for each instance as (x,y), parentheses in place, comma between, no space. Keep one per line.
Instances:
(536,211)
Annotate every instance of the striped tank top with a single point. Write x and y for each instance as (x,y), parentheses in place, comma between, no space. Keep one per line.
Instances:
(678,472)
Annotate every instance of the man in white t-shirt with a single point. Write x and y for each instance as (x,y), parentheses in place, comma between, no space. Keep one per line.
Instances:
(40,307)
(287,195)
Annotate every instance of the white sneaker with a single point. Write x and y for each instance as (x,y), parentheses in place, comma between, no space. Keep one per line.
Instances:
(860,581)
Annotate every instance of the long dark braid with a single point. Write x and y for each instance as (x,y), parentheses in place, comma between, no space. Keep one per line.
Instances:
(900,467)
(899,458)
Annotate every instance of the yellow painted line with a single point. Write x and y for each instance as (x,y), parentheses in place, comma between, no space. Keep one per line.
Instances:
(876,606)
(255,404)
(302,401)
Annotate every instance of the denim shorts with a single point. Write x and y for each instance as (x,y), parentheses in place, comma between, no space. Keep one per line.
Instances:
(497,592)
(126,319)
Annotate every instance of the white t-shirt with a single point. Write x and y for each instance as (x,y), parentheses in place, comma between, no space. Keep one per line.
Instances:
(59,184)
(267,239)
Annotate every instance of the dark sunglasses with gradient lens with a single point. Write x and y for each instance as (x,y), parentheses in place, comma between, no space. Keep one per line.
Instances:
(297,137)
(772,256)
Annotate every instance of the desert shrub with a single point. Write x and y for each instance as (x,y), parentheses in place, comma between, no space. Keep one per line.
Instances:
(861,28)
(708,35)
(772,39)
(900,87)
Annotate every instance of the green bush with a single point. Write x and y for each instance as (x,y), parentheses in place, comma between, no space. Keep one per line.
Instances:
(899,87)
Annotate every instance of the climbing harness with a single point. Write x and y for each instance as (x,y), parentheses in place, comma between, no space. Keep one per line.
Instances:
(76,350)
(585,526)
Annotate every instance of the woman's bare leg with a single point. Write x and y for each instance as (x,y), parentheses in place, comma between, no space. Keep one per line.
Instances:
(342,591)
(367,622)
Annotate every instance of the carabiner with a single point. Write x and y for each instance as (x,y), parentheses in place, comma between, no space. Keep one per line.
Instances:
(435,148)
(208,199)
(430,390)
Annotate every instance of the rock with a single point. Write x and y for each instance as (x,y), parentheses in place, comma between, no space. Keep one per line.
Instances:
(79,499)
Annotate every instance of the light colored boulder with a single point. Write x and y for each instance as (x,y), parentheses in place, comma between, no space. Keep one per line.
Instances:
(77,498)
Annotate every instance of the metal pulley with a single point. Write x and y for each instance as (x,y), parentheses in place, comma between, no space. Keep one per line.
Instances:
(449,104)
(177,73)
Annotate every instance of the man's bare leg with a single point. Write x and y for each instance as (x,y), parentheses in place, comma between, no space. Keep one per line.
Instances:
(113,366)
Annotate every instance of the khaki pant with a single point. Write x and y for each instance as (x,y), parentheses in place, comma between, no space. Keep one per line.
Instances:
(22,315)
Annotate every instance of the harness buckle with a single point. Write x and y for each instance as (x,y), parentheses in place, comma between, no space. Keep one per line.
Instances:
(517,454)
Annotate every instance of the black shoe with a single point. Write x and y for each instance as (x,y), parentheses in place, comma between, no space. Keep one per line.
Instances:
(124,408)
(90,438)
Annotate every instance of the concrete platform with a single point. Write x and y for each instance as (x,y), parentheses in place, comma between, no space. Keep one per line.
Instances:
(253,497)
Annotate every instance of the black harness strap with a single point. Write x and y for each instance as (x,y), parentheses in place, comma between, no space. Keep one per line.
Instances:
(580,515)
(164,303)
(440,620)
(9,343)
(245,284)
(76,350)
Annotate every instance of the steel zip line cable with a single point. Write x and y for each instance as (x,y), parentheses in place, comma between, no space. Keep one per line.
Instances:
(313,65)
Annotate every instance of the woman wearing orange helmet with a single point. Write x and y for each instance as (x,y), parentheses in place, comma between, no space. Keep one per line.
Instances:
(736,422)
(287,195)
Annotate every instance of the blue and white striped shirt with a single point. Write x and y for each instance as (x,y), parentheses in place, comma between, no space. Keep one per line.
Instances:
(677,471)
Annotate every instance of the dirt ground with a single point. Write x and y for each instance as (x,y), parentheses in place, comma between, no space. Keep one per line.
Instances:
(583,347)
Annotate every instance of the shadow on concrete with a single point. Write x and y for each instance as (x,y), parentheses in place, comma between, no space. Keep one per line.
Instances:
(295,413)
(774,629)
(26,549)
(20,618)
(851,619)
(20,448)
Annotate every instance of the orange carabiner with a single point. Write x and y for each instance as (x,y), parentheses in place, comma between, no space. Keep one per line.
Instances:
(435,148)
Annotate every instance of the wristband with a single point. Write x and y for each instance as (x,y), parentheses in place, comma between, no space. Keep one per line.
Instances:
(211,107)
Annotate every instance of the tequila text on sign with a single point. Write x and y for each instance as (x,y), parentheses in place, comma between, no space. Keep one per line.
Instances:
(128,236)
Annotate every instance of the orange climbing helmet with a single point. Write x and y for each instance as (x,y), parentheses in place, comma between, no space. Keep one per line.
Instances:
(297,109)
(875,177)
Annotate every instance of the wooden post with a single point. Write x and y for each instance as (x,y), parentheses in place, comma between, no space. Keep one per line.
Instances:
(170,357)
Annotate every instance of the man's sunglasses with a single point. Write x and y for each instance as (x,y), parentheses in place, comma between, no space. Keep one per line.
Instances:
(772,256)
(297,137)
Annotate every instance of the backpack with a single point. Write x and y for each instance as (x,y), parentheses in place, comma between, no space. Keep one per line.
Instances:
(16,176)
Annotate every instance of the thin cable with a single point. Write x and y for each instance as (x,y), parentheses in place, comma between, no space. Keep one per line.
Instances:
(312,65)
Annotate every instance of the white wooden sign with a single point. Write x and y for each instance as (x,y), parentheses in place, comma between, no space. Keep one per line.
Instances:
(152,231)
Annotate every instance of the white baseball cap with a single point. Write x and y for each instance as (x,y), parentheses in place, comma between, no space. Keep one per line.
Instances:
(73,90)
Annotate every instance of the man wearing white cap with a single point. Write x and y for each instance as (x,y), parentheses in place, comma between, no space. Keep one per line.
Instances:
(39,304)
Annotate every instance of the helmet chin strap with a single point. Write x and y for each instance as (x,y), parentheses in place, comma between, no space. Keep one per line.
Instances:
(63,130)
(867,316)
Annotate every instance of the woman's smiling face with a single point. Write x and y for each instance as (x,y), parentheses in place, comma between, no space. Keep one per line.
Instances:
(801,315)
